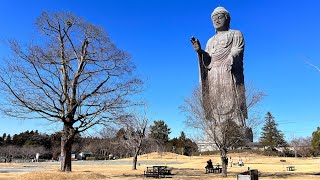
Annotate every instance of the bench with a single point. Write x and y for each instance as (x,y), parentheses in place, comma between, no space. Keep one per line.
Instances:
(157,171)
(238,164)
(290,168)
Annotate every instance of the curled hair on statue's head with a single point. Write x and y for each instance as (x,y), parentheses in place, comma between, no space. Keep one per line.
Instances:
(222,10)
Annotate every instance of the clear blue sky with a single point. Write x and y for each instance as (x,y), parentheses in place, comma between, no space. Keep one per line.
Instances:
(279,36)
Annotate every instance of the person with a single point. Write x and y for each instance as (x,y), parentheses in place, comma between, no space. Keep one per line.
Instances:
(209,164)
(221,69)
(230,161)
(240,162)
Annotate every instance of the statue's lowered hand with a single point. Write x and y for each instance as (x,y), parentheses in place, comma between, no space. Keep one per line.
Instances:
(229,68)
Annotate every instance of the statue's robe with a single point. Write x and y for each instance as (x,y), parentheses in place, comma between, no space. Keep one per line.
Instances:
(223,91)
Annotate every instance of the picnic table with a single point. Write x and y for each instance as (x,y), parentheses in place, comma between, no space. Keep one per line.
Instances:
(215,169)
(290,168)
(157,171)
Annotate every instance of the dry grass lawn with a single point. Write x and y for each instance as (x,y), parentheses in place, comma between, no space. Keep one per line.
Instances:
(191,168)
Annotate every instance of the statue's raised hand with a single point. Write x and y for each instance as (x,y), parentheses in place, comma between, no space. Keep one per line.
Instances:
(196,44)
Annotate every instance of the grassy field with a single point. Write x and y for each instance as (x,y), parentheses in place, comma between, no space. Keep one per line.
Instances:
(190,168)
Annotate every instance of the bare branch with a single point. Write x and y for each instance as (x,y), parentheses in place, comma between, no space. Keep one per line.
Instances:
(314,66)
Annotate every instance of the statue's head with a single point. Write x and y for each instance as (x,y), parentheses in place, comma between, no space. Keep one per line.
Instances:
(221,19)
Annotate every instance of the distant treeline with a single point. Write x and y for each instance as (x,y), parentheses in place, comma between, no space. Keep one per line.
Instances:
(26,144)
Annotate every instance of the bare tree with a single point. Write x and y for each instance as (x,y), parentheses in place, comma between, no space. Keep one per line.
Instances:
(253,98)
(108,132)
(302,146)
(108,143)
(29,152)
(135,134)
(75,76)
(219,128)
(9,152)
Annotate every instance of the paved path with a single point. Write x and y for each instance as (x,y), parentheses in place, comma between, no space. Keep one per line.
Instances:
(107,162)
(36,166)
(19,169)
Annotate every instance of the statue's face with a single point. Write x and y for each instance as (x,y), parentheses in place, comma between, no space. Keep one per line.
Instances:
(220,22)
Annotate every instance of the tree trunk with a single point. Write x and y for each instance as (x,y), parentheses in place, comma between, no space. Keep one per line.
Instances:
(66,146)
(135,159)
(224,161)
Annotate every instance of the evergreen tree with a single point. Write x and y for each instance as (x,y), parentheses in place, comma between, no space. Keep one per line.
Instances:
(271,137)
(160,132)
(8,140)
(182,142)
(182,145)
(31,138)
(1,141)
(120,135)
(315,141)
(4,136)
(182,137)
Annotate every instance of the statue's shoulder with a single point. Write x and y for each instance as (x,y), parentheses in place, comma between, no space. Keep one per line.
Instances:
(235,32)
(211,40)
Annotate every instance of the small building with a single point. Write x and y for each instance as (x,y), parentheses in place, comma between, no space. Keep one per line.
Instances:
(73,156)
(84,154)
(206,146)
(209,146)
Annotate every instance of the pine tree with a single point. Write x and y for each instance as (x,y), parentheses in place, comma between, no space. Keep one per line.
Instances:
(1,141)
(182,142)
(182,137)
(8,140)
(271,137)
(160,132)
(4,136)
(315,141)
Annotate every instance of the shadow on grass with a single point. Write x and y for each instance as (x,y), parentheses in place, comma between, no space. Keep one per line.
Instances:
(140,176)
(136,176)
(287,175)
(192,173)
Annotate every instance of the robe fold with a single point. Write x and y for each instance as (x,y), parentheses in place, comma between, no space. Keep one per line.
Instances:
(223,91)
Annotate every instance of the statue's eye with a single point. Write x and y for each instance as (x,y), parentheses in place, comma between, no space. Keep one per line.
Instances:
(218,17)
